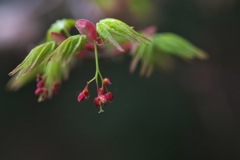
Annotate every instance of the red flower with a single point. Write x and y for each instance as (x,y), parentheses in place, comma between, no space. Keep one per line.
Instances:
(103,100)
(100,101)
(42,92)
(109,96)
(81,97)
(39,91)
(97,101)
(40,84)
(84,94)
(106,81)
(100,91)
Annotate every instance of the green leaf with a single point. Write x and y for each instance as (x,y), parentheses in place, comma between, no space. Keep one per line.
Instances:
(59,26)
(103,31)
(109,26)
(146,55)
(160,53)
(54,72)
(174,44)
(68,48)
(34,58)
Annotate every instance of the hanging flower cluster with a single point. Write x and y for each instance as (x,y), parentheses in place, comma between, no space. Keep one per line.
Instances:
(49,63)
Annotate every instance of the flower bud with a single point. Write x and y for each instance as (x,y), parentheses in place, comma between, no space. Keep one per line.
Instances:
(81,97)
(100,91)
(40,84)
(106,81)
(86,28)
(100,100)
(109,96)
(103,100)
(38,91)
(97,101)
(86,93)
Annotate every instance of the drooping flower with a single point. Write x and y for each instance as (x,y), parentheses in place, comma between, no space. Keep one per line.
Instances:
(81,97)
(100,91)
(84,94)
(100,101)
(106,81)
(40,84)
(109,96)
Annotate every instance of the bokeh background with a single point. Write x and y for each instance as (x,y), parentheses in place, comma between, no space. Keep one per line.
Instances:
(190,113)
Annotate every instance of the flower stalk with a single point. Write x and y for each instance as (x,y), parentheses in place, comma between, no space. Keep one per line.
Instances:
(101,99)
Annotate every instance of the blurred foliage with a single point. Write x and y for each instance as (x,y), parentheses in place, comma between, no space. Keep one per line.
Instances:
(141,8)
(160,52)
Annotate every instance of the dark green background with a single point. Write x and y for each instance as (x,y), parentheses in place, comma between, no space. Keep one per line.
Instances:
(191,113)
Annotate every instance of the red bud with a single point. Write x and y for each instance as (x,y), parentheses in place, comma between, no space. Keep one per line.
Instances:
(86,28)
(86,93)
(97,101)
(103,100)
(40,84)
(81,97)
(109,96)
(38,91)
(106,81)
(100,91)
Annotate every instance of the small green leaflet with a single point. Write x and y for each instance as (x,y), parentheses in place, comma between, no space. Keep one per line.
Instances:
(159,53)
(34,58)
(68,48)
(109,26)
